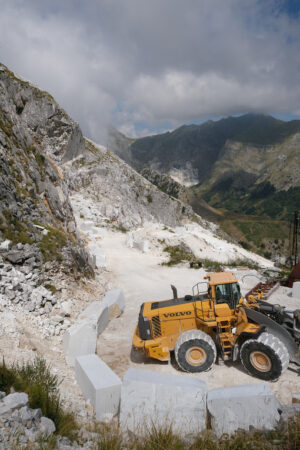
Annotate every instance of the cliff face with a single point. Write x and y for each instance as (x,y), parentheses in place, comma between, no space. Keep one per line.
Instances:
(36,135)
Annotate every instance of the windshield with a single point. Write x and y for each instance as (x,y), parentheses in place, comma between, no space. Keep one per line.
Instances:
(228,293)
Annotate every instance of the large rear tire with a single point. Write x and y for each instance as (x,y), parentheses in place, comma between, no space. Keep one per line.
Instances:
(265,358)
(195,351)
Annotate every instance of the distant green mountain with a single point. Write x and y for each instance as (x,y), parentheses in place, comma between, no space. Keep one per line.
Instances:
(248,164)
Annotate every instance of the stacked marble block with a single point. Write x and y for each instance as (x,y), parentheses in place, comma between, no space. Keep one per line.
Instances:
(81,338)
(99,384)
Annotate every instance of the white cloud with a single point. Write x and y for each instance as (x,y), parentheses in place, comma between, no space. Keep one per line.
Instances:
(141,64)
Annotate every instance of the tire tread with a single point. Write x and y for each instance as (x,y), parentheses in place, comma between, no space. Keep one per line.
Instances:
(190,335)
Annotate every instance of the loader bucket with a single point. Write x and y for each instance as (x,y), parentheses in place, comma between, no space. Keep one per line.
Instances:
(277,330)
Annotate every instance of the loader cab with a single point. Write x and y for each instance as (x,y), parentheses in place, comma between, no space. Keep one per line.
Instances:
(228,293)
(224,288)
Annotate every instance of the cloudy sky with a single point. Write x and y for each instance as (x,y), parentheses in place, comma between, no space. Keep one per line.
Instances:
(146,66)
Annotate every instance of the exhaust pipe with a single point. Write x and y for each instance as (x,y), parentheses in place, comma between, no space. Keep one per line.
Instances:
(175,296)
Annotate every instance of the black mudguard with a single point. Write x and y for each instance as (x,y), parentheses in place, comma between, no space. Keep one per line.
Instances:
(277,330)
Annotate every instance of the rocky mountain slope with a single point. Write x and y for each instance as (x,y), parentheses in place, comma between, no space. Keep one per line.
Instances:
(36,135)
(123,198)
(248,164)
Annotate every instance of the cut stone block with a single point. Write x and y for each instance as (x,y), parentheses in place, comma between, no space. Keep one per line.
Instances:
(99,384)
(240,407)
(130,239)
(80,339)
(296,289)
(101,261)
(143,246)
(150,398)
(98,312)
(115,301)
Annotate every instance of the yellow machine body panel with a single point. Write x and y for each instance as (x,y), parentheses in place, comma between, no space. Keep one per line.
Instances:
(217,312)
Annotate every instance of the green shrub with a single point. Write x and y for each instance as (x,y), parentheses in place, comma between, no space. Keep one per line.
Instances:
(243,262)
(178,253)
(212,265)
(42,387)
(7,377)
(14,230)
(158,438)
(245,245)
(268,255)
(110,437)
(50,288)
(52,243)
(149,198)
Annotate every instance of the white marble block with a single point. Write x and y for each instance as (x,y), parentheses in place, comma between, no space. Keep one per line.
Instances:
(80,339)
(150,398)
(99,384)
(239,407)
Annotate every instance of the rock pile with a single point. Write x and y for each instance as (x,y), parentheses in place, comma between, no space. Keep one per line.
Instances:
(20,291)
(18,285)
(19,423)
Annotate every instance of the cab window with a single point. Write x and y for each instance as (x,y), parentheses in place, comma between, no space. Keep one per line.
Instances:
(228,293)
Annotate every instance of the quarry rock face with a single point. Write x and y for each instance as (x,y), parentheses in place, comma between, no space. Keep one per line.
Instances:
(38,112)
(122,197)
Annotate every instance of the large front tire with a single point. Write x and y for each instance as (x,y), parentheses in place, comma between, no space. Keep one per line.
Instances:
(265,358)
(195,351)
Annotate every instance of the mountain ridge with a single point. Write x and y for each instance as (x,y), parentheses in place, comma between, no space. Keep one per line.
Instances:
(254,148)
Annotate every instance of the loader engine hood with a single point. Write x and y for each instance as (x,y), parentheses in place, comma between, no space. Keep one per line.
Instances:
(277,330)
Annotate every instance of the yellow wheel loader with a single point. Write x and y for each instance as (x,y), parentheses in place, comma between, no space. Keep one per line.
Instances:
(217,320)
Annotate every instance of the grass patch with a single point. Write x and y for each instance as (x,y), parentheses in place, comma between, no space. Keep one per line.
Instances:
(14,230)
(259,234)
(243,262)
(50,288)
(149,198)
(164,438)
(257,231)
(52,243)
(42,387)
(177,254)
(158,438)
(210,264)
(110,437)
(120,228)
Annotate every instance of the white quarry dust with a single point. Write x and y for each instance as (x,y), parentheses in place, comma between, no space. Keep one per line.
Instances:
(142,278)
